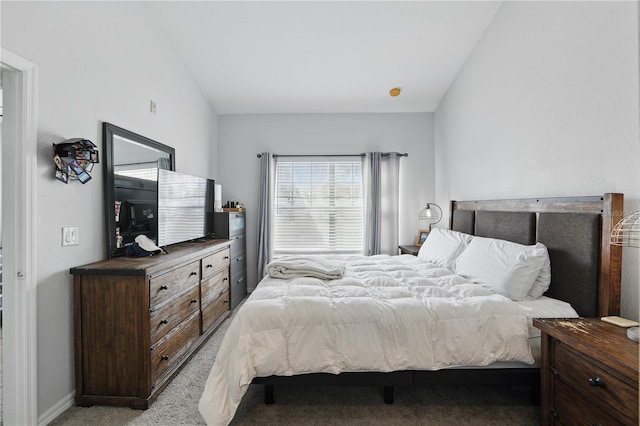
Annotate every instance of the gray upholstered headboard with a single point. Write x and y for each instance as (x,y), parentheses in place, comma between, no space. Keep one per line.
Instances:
(585,268)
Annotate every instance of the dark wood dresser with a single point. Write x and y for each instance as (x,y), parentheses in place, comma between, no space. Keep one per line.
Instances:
(138,319)
(589,373)
(231,225)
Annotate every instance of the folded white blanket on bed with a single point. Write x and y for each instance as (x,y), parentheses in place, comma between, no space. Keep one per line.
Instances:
(386,314)
(306,266)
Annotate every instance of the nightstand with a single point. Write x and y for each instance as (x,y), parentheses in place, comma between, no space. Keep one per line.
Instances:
(409,250)
(589,373)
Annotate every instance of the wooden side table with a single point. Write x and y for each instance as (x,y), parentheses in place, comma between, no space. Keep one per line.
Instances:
(589,373)
(413,250)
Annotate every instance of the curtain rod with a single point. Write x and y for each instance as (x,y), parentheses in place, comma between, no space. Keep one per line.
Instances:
(398,154)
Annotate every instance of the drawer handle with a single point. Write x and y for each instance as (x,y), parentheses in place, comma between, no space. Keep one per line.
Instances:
(165,357)
(596,382)
(226,257)
(209,266)
(193,273)
(164,287)
(194,301)
(240,280)
(225,279)
(224,302)
(164,321)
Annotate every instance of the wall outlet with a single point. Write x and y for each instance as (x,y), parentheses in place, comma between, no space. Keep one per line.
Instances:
(70,237)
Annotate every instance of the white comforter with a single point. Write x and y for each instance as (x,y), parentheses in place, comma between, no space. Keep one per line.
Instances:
(386,314)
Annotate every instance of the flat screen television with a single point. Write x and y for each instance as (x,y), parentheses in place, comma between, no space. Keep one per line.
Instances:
(184,204)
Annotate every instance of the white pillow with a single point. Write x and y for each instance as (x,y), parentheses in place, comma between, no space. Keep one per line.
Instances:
(543,281)
(501,266)
(443,247)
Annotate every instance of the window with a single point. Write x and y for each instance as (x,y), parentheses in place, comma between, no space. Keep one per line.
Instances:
(318,206)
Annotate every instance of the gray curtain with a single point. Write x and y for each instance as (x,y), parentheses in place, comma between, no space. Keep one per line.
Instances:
(265,212)
(381,179)
(372,207)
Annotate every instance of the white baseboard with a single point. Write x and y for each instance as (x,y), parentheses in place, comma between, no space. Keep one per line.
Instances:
(54,412)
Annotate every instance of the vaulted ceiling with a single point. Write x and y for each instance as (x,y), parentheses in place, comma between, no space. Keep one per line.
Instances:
(323,56)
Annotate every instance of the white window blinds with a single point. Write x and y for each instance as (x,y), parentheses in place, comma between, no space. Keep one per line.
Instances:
(318,206)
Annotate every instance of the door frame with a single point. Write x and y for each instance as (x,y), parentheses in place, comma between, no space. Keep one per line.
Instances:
(19,174)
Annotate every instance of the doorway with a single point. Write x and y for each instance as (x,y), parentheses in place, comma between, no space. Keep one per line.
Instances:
(19,132)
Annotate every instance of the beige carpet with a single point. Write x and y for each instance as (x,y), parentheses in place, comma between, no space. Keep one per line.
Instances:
(321,405)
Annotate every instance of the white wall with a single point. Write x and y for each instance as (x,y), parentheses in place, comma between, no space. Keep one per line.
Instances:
(97,61)
(242,137)
(547,105)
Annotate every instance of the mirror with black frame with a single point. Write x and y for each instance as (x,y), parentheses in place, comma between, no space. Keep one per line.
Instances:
(130,183)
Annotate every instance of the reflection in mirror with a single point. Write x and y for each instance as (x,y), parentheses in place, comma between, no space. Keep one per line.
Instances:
(131,173)
(137,160)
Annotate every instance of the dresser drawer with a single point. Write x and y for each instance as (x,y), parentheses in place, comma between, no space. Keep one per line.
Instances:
(172,349)
(213,287)
(238,265)
(238,245)
(214,263)
(238,289)
(165,317)
(596,384)
(166,286)
(570,408)
(215,310)
(236,223)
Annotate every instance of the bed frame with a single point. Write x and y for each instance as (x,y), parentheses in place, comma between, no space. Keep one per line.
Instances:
(586,272)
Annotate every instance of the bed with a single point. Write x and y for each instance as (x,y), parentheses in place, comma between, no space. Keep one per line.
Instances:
(307,330)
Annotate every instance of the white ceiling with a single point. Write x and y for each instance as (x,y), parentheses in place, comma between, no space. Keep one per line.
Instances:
(323,56)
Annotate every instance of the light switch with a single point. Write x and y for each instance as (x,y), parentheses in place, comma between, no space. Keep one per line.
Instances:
(70,237)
